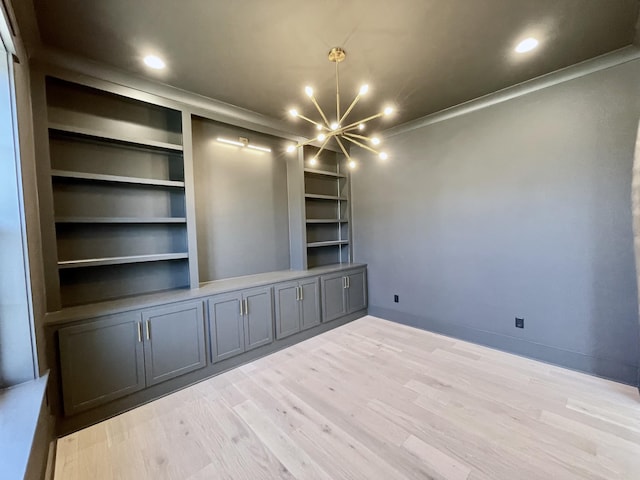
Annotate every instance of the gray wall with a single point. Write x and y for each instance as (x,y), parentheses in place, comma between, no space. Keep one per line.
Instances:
(518,209)
(242,216)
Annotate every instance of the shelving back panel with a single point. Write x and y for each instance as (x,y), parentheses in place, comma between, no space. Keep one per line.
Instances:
(85,241)
(114,158)
(84,107)
(103,199)
(102,157)
(325,174)
(94,284)
(317,257)
(242,206)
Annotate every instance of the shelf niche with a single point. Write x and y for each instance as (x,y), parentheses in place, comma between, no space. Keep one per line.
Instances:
(327,210)
(117,178)
(241,202)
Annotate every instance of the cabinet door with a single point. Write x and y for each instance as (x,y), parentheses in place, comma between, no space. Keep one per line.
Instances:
(258,317)
(174,341)
(100,360)
(287,309)
(333,297)
(225,326)
(357,291)
(310,304)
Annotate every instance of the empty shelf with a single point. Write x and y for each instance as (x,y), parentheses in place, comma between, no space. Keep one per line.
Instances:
(324,173)
(98,262)
(325,197)
(327,244)
(86,132)
(115,178)
(326,220)
(121,220)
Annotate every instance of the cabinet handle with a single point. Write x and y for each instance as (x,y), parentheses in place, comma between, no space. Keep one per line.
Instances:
(297,294)
(344,282)
(348,282)
(139,331)
(301,294)
(148,325)
(246,306)
(241,305)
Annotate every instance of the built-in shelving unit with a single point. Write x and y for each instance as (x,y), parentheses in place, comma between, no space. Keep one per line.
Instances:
(118,187)
(326,193)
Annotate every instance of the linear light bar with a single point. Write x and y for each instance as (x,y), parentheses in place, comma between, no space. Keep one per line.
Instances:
(230,142)
(243,142)
(262,149)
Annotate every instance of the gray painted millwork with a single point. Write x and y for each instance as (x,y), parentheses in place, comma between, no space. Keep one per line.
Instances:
(297,306)
(343,293)
(101,360)
(226,324)
(520,209)
(174,341)
(258,317)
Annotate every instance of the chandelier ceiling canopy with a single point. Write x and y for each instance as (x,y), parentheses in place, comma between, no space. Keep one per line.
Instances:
(338,127)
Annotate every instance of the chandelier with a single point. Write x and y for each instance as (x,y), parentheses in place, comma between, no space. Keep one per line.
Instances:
(338,129)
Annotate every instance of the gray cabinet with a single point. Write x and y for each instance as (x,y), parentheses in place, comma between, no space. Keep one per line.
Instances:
(100,361)
(226,326)
(343,293)
(297,306)
(105,359)
(240,321)
(174,341)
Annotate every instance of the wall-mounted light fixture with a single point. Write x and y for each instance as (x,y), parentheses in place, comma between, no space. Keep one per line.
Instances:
(243,142)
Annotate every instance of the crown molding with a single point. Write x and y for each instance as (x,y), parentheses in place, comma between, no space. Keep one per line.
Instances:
(603,62)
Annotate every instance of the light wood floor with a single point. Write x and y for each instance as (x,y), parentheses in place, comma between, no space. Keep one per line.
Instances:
(373,400)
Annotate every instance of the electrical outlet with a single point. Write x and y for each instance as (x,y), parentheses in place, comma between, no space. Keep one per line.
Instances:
(396,299)
(519,322)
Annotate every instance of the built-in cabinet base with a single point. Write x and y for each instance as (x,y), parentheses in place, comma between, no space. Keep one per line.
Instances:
(110,363)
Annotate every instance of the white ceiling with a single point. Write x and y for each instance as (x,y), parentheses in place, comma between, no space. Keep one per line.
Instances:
(421,55)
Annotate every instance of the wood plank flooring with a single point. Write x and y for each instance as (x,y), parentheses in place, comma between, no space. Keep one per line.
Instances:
(373,400)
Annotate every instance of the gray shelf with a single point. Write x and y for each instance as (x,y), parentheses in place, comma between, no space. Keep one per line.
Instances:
(327,244)
(324,197)
(324,173)
(120,220)
(99,262)
(86,132)
(326,220)
(116,179)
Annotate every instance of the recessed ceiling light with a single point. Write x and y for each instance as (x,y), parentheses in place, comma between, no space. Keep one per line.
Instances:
(154,62)
(527,45)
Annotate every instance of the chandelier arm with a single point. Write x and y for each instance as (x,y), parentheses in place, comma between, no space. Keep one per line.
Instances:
(354,135)
(362,145)
(353,104)
(308,142)
(378,115)
(312,121)
(324,117)
(344,150)
(324,144)
(337,95)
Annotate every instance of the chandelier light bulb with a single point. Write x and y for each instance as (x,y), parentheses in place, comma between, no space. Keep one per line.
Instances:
(388,111)
(375,141)
(335,126)
(361,126)
(293,112)
(291,148)
(318,127)
(352,164)
(383,156)
(364,89)
(313,161)
(321,137)
(308,91)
